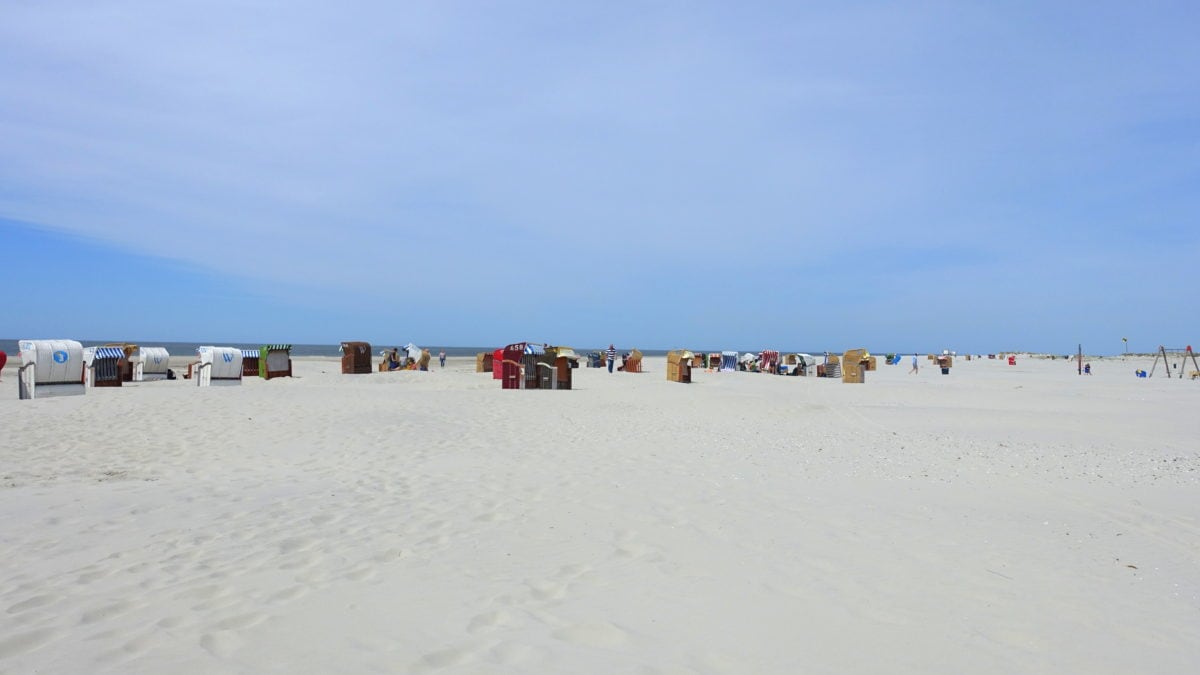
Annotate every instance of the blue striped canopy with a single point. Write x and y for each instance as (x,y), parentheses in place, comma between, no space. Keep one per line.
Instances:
(249,353)
(110,353)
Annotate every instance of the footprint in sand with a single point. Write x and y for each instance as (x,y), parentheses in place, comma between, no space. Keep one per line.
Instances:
(106,636)
(573,571)
(313,577)
(354,531)
(516,654)
(624,536)
(105,612)
(138,645)
(438,540)
(24,642)
(364,572)
(170,622)
(632,550)
(444,658)
(31,603)
(240,621)
(184,556)
(298,561)
(489,620)
(137,568)
(492,517)
(604,635)
(88,577)
(287,594)
(222,643)
(547,590)
(390,555)
(217,603)
(205,592)
(294,544)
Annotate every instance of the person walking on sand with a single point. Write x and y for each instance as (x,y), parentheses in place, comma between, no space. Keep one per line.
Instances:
(442,358)
(915,367)
(611,357)
(3,361)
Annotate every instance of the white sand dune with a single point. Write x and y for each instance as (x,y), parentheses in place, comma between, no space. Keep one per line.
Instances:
(996,520)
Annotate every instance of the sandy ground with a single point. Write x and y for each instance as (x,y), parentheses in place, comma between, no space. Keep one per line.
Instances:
(997,520)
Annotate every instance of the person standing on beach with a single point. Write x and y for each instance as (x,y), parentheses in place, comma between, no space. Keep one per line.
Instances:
(914,368)
(442,358)
(3,361)
(611,356)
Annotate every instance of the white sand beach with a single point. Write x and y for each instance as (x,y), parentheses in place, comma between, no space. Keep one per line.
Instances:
(999,519)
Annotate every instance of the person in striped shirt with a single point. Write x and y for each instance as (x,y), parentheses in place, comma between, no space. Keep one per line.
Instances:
(611,356)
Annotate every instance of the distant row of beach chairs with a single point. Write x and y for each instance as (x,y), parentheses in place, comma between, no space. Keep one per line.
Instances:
(66,367)
(524,365)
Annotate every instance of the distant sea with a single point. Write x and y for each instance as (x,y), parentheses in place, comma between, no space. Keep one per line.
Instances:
(182,348)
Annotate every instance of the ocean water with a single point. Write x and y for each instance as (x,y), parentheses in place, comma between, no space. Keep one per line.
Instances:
(180,348)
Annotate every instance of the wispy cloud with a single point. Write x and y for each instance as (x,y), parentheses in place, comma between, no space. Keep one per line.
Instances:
(467,147)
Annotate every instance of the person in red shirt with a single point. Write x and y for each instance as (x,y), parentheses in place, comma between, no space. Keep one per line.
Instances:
(3,360)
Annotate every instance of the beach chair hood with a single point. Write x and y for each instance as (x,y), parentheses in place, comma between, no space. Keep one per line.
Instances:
(413,351)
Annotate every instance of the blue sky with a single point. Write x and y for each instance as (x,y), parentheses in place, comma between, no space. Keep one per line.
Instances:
(913,176)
